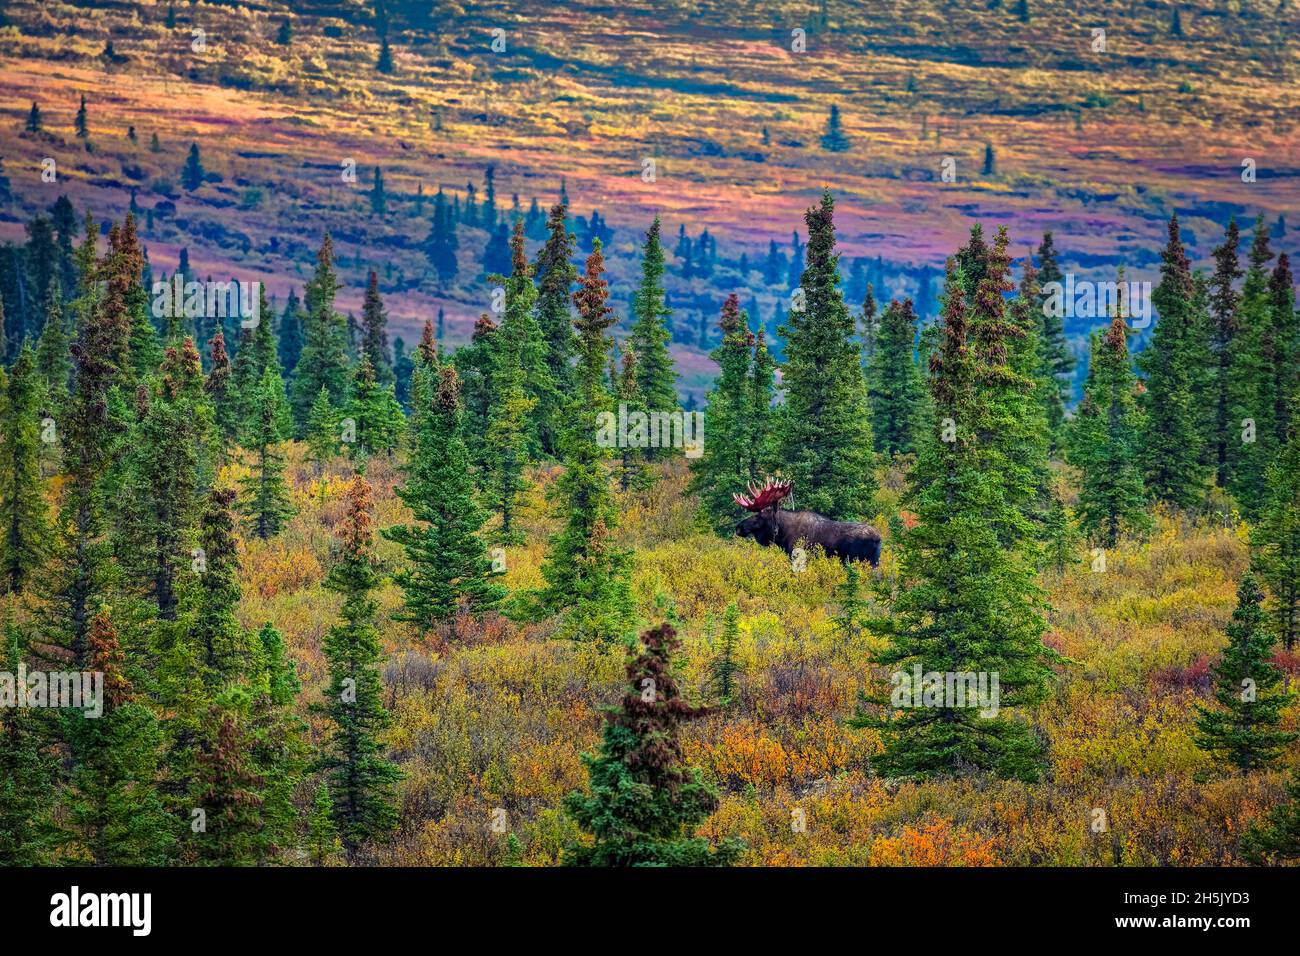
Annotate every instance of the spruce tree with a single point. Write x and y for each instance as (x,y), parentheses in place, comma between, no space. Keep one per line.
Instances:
(322,363)
(113,800)
(34,119)
(725,669)
(894,385)
(826,443)
(1252,441)
(441,244)
(289,335)
(222,390)
(362,781)
(1277,836)
(1057,360)
(1015,442)
(24,519)
(266,505)
(1173,441)
(160,478)
(193,175)
(89,433)
(645,802)
(726,464)
(870,325)
(968,601)
(833,139)
(79,123)
(587,576)
(322,432)
(447,563)
(227,651)
(29,835)
(656,378)
(1224,303)
(1275,540)
(323,844)
(374,412)
(556,274)
(1103,442)
(520,347)
(53,358)
(1286,355)
(374,325)
(1242,731)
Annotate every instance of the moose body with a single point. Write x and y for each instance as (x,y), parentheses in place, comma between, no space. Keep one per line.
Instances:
(768,525)
(846,540)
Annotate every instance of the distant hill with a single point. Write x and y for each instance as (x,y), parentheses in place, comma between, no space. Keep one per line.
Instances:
(712,115)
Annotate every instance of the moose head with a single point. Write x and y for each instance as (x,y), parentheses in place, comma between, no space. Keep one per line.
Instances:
(763,502)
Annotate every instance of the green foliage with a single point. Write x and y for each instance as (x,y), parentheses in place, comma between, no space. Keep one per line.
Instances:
(113,799)
(586,573)
(1104,439)
(833,139)
(193,174)
(739,446)
(1242,731)
(648,338)
(374,413)
(1173,442)
(160,477)
(556,274)
(1057,361)
(968,601)
(323,361)
(53,358)
(441,244)
(323,844)
(24,517)
(1251,430)
(322,430)
(447,563)
(645,802)
(28,783)
(1275,541)
(266,505)
(1277,837)
(894,382)
(724,671)
(825,444)
(374,325)
(361,779)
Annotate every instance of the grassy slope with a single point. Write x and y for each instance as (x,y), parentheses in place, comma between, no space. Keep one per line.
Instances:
(499,717)
(588,90)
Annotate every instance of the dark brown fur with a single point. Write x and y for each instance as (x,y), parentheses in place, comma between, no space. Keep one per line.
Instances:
(846,540)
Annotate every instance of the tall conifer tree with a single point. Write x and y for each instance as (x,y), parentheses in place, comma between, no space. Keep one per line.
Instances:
(826,443)
(362,780)
(656,377)
(645,802)
(1173,442)
(894,383)
(1103,442)
(447,562)
(586,573)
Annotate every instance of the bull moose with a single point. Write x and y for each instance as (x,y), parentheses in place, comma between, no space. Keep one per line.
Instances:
(770,524)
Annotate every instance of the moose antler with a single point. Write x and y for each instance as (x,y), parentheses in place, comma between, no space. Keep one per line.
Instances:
(766,497)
